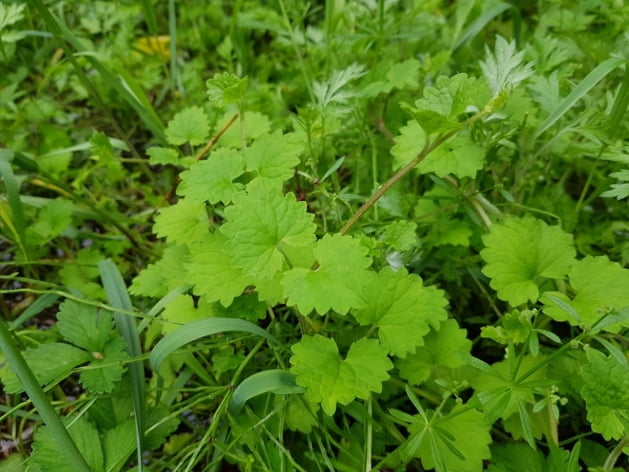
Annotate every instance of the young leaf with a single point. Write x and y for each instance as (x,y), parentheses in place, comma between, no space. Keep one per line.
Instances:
(408,144)
(518,251)
(213,180)
(504,69)
(162,155)
(84,326)
(274,381)
(328,287)
(263,227)
(606,394)
(402,308)
(401,235)
(191,125)
(51,221)
(225,88)
(600,285)
(458,156)
(329,379)
(165,275)
(184,222)
(213,271)
(273,156)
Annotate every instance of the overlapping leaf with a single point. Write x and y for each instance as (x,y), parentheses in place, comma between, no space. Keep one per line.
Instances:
(184,222)
(521,251)
(329,379)
(402,308)
(191,125)
(336,283)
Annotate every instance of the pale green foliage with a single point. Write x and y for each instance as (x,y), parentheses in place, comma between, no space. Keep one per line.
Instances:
(181,310)
(520,252)
(503,69)
(213,180)
(600,286)
(191,125)
(606,394)
(84,325)
(462,430)
(184,222)
(262,228)
(162,155)
(256,124)
(38,358)
(330,379)
(621,189)
(106,368)
(225,88)
(213,271)
(515,327)
(402,75)
(335,90)
(452,232)
(402,308)
(408,144)
(168,273)
(328,287)
(273,156)
(458,156)
(401,235)
(440,348)
(51,221)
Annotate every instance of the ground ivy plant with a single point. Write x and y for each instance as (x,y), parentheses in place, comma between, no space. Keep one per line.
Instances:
(377,237)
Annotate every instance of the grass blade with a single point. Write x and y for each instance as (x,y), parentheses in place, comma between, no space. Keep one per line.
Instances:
(579,92)
(12,188)
(172,31)
(479,23)
(620,106)
(275,381)
(35,309)
(149,14)
(199,329)
(34,391)
(118,297)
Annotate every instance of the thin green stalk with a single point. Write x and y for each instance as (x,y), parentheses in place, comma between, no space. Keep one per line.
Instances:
(40,400)
(428,148)
(615,454)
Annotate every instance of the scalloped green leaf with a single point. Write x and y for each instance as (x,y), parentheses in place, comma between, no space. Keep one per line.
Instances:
(330,379)
(184,222)
(189,126)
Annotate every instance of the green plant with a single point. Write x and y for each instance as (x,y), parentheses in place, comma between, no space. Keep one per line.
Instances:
(410,270)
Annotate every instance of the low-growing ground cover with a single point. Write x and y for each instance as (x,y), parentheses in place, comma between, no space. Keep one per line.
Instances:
(329,236)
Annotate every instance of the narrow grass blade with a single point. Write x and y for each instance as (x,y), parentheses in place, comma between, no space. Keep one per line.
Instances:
(70,45)
(35,309)
(34,391)
(479,23)
(579,92)
(275,381)
(12,188)
(199,329)
(620,106)
(172,31)
(118,297)
(149,15)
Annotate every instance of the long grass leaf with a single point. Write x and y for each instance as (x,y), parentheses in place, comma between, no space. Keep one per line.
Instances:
(579,92)
(34,391)
(149,15)
(35,309)
(196,330)
(118,297)
(172,31)
(479,23)
(70,45)
(275,381)
(12,188)
(620,106)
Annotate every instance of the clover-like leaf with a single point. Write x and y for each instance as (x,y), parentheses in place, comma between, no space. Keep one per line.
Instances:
(184,222)
(606,394)
(263,227)
(520,252)
(329,379)
(402,308)
(214,180)
(329,286)
(191,125)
